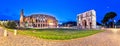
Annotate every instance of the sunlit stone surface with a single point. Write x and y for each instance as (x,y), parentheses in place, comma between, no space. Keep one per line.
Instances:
(38,21)
(87,20)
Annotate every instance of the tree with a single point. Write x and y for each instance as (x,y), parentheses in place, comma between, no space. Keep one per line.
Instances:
(118,22)
(69,24)
(109,16)
(10,24)
(98,23)
(104,21)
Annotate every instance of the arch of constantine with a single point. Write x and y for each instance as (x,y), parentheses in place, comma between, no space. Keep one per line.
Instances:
(87,20)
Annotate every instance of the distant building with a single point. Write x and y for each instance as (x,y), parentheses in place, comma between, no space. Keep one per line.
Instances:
(118,24)
(37,21)
(69,24)
(87,20)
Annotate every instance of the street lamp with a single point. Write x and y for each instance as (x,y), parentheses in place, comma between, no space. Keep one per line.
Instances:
(115,23)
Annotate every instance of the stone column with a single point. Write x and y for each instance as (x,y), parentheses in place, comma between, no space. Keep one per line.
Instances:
(15,32)
(5,33)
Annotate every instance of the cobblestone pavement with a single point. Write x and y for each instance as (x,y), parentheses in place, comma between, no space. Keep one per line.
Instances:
(108,38)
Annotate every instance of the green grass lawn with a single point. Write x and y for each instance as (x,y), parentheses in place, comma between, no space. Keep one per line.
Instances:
(57,34)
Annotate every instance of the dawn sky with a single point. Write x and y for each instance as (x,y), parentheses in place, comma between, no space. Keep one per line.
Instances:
(63,10)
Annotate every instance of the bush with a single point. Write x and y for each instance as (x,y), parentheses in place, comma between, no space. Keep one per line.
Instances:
(9,24)
(0,24)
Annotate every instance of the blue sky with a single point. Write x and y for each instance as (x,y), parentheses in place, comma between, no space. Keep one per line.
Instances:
(63,10)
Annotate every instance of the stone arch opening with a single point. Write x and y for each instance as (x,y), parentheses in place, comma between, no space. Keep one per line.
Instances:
(90,25)
(84,23)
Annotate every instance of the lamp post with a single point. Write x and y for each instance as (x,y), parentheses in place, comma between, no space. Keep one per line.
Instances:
(115,23)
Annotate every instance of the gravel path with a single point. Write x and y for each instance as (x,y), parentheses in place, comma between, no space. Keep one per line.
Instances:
(107,38)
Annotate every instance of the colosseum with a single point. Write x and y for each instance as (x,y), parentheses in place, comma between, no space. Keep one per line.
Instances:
(37,21)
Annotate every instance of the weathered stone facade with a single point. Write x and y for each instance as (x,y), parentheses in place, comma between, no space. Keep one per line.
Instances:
(38,21)
(87,20)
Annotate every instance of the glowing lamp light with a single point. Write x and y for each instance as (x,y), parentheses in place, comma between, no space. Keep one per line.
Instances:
(51,24)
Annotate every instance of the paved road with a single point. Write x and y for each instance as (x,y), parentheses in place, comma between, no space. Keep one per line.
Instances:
(110,37)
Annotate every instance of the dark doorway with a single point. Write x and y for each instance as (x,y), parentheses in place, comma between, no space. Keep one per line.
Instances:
(90,25)
(85,23)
